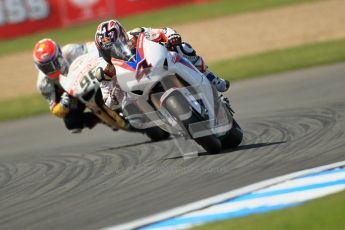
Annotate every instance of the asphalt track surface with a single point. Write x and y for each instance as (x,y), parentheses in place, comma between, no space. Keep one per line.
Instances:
(50,179)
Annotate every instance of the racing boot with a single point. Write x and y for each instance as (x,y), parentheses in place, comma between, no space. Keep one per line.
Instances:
(220,84)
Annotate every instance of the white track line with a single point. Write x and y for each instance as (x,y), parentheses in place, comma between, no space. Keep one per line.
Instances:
(284,199)
(219,198)
(305,181)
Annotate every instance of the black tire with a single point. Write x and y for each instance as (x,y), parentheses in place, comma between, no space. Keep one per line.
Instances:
(211,143)
(176,104)
(234,137)
(157,134)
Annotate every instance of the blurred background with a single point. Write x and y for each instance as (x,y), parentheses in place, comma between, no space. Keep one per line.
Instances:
(229,34)
(23,22)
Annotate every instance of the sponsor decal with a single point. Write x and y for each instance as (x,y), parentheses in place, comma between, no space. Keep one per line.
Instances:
(22,17)
(84,10)
(17,11)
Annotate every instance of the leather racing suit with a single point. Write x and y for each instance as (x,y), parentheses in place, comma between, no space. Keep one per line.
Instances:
(75,119)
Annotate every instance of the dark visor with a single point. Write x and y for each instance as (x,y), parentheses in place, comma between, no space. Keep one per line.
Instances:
(50,67)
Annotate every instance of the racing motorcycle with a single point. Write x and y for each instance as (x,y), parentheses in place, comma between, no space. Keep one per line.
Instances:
(82,83)
(164,89)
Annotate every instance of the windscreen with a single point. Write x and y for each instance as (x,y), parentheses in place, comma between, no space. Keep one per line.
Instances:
(121,50)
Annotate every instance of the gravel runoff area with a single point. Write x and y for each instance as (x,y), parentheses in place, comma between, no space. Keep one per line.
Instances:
(219,38)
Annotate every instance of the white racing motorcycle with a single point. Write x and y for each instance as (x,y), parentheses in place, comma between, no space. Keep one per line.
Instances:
(82,84)
(164,89)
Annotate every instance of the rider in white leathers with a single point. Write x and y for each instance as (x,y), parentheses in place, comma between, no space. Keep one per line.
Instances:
(109,31)
(173,41)
(51,61)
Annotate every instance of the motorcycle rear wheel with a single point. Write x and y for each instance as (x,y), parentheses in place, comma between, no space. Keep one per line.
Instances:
(157,134)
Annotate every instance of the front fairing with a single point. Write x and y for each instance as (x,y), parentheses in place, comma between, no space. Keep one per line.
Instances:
(205,101)
(143,70)
(153,64)
(80,79)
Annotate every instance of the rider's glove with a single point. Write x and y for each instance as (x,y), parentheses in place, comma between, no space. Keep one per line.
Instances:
(105,74)
(62,108)
(173,37)
(65,100)
(101,76)
(135,32)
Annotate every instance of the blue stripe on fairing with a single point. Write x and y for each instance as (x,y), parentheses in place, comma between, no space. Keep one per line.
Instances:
(132,64)
(138,59)
(174,222)
(284,191)
(333,171)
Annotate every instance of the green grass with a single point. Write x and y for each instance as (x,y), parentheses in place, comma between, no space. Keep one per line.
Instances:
(169,17)
(321,214)
(232,69)
(22,107)
(281,60)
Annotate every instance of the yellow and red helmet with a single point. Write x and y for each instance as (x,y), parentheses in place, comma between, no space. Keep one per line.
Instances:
(48,57)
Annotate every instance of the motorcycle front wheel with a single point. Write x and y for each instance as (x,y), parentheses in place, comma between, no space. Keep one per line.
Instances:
(233,137)
(179,107)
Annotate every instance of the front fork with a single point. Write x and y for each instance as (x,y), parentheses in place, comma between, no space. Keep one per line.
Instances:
(227,104)
(105,114)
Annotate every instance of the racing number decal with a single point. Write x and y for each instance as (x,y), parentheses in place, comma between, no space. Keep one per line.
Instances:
(85,82)
(143,69)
